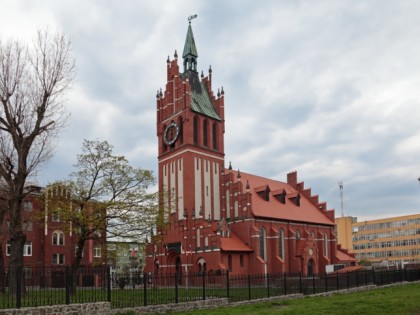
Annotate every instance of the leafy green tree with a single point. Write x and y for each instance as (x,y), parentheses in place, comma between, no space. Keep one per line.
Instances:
(109,198)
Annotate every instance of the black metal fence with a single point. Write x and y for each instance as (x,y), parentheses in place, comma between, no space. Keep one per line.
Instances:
(57,285)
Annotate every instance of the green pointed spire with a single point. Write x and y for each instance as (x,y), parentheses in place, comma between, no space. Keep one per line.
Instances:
(190,51)
(189,47)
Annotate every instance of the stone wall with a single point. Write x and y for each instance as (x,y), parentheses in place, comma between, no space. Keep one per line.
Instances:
(102,308)
(165,308)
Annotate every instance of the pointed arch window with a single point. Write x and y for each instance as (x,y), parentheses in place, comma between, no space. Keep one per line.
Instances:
(181,130)
(214,136)
(58,238)
(281,244)
(297,235)
(205,133)
(263,244)
(195,130)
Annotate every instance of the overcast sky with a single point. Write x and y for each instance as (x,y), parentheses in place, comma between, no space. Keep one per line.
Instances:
(328,88)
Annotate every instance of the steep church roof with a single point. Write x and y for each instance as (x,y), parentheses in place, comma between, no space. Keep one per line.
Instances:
(271,207)
(200,99)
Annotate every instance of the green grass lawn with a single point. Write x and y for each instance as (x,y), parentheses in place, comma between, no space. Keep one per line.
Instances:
(398,300)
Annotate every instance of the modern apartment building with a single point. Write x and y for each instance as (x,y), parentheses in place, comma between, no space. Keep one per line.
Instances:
(394,240)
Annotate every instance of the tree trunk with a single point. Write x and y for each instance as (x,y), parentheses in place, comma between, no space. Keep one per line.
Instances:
(75,266)
(17,243)
(2,272)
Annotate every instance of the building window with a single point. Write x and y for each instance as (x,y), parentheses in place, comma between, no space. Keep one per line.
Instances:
(58,238)
(205,142)
(27,249)
(195,132)
(198,238)
(27,226)
(27,205)
(214,136)
(58,259)
(325,245)
(241,260)
(297,235)
(263,243)
(230,262)
(236,207)
(281,244)
(55,216)
(97,251)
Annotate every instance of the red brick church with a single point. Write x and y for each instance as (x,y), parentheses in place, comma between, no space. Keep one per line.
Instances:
(218,218)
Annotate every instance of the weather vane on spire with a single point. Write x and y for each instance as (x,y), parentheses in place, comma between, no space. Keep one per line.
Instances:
(191,17)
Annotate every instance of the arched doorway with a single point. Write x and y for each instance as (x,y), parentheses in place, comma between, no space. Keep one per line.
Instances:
(310,267)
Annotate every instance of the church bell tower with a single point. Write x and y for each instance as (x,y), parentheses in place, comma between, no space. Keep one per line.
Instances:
(190,130)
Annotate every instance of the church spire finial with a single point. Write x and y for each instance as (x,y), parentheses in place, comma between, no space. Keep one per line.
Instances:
(190,50)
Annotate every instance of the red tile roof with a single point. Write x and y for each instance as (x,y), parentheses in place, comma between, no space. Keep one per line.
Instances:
(342,256)
(233,244)
(306,212)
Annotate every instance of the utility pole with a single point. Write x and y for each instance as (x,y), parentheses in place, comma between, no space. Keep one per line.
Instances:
(340,184)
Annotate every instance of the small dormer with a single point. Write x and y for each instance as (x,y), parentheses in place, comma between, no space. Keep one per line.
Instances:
(295,198)
(263,192)
(280,195)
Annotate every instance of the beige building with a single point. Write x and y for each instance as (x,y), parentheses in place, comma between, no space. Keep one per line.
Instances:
(394,240)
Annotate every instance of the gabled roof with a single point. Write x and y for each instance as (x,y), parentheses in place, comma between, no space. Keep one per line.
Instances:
(274,209)
(233,244)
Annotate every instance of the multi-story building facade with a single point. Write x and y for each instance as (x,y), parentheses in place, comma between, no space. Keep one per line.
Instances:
(394,240)
(50,241)
(217,218)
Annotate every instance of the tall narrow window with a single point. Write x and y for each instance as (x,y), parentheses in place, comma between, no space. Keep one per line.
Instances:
(263,250)
(181,131)
(195,126)
(281,244)
(214,136)
(205,140)
(297,235)
(325,245)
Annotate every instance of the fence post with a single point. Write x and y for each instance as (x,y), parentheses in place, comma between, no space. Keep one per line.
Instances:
(326,282)
(268,285)
(347,278)
(313,282)
(285,283)
(67,285)
(373,276)
(227,285)
(109,284)
(249,287)
(145,281)
(18,287)
(300,283)
(176,286)
(204,285)
(337,281)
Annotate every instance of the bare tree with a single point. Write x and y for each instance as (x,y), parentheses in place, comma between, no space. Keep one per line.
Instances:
(33,81)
